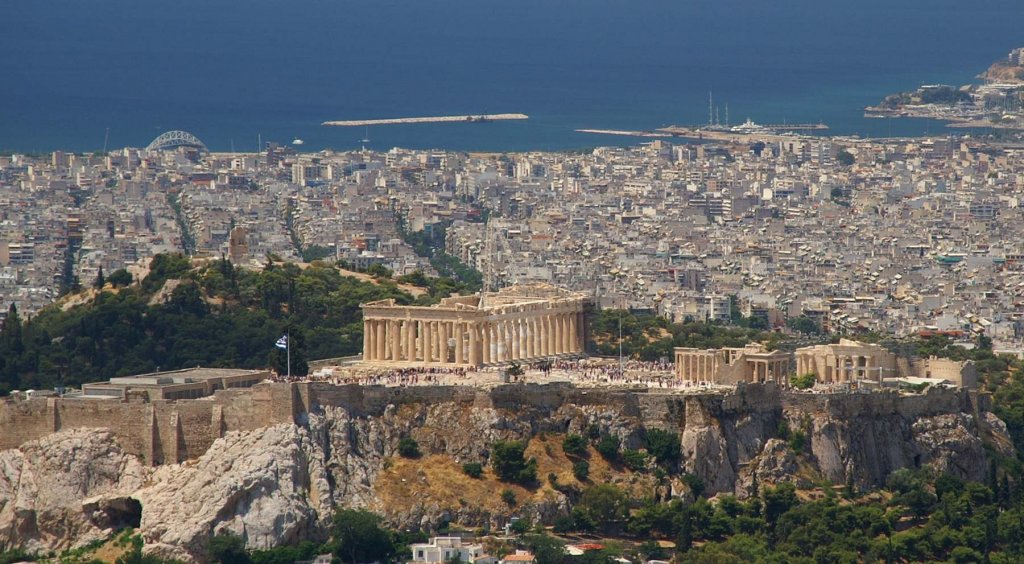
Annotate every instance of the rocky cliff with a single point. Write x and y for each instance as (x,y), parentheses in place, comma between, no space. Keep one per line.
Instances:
(282,482)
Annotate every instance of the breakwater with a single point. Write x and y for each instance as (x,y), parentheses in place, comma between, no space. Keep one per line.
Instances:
(430,119)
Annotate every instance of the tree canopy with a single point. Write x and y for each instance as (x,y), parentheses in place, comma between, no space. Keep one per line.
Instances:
(182,316)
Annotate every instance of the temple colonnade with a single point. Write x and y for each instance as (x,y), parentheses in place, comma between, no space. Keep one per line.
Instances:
(515,324)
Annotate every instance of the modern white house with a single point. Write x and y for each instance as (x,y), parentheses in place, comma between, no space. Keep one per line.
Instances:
(445,549)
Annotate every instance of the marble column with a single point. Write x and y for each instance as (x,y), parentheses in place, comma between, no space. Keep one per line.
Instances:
(409,346)
(512,339)
(366,339)
(421,343)
(548,335)
(527,324)
(559,335)
(442,342)
(460,355)
(491,331)
(556,333)
(378,340)
(446,334)
(417,340)
(523,339)
(396,341)
(474,345)
(538,336)
(428,341)
(499,341)
(570,335)
(573,336)
(542,330)
(485,343)
(517,347)
(524,345)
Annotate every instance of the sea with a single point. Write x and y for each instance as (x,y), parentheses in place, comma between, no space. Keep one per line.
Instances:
(78,75)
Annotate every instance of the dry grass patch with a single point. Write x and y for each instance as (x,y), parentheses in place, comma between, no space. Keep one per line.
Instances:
(438,479)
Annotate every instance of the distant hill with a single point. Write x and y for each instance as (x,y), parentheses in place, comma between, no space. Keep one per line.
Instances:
(1005,73)
(1009,71)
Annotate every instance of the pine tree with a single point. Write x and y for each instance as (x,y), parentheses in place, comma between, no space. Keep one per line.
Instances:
(10,332)
(100,280)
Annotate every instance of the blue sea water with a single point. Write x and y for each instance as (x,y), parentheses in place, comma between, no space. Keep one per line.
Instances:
(231,71)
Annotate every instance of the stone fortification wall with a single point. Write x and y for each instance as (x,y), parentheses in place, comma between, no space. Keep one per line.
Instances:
(936,401)
(172,431)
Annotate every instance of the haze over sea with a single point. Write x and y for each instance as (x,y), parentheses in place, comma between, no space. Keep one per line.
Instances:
(229,71)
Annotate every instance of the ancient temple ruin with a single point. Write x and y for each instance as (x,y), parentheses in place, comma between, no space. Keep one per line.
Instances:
(519,323)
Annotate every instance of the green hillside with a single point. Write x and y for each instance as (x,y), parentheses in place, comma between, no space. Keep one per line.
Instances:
(181,315)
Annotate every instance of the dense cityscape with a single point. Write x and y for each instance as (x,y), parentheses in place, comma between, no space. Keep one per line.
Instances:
(712,343)
(888,236)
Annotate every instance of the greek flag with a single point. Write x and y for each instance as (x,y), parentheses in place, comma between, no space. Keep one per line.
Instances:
(282,343)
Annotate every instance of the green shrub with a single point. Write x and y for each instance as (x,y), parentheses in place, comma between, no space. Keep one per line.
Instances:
(608,447)
(782,431)
(120,278)
(695,483)
(520,526)
(605,505)
(574,445)
(228,548)
(473,469)
(510,465)
(408,448)
(564,524)
(803,381)
(357,536)
(664,446)
(798,441)
(635,460)
(581,470)
(509,497)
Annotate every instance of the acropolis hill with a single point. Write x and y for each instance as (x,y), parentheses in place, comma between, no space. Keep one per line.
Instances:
(305,448)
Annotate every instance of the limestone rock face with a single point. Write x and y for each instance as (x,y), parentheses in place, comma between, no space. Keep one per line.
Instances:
(281,483)
(42,486)
(776,464)
(258,485)
(951,443)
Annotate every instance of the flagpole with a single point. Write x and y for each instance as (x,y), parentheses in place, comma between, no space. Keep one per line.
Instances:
(288,347)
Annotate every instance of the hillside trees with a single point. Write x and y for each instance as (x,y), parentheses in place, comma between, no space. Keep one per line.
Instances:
(215,315)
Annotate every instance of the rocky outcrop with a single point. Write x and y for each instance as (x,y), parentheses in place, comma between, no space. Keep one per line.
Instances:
(283,482)
(261,486)
(43,485)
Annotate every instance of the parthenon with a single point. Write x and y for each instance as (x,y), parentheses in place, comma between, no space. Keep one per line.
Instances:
(518,323)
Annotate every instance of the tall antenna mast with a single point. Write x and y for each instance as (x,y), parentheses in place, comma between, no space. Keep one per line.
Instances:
(711,114)
(727,115)
(106,138)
